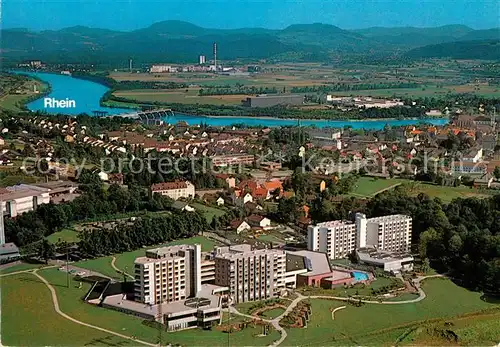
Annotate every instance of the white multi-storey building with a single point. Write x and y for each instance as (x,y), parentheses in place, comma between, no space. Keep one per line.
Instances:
(250,274)
(174,190)
(168,274)
(340,238)
(335,238)
(389,233)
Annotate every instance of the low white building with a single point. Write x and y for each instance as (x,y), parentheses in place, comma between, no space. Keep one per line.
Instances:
(21,198)
(389,261)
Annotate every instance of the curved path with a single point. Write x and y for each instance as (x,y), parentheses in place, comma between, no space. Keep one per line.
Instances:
(275,322)
(58,310)
(113,259)
(28,270)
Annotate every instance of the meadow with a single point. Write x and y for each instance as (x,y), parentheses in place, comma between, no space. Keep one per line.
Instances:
(364,325)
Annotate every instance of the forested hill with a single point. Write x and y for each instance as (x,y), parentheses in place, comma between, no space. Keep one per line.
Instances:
(480,49)
(182,42)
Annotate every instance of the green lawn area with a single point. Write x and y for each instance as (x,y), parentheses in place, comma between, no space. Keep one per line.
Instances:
(101,265)
(70,302)
(444,300)
(271,314)
(208,211)
(20,267)
(446,194)
(370,186)
(29,319)
(68,235)
(269,238)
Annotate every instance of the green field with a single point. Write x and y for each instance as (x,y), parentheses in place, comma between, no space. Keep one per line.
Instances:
(181,97)
(67,235)
(447,194)
(351,325)
(29,318)
(101,265)
(208,212)
(370,186)
(20,267)
(271,314)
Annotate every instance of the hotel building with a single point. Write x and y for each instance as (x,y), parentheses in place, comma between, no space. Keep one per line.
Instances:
(250,274)
(388,233)
(340,238)
(168,274)
(335,238)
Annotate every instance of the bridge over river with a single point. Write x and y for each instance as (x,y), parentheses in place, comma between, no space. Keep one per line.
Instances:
(148,117)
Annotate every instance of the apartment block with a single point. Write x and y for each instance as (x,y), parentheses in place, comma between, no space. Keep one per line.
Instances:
(250,274)
(340,238)
(388,233)
(174,190)
(168,274)
(335,238)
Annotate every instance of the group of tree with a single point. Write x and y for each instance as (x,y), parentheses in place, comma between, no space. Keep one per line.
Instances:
(237,90)
(461,238)
(346,87)
(33,226)
(145,231)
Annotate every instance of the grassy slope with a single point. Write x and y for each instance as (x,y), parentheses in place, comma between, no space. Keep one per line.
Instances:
(28,318)
(445,299)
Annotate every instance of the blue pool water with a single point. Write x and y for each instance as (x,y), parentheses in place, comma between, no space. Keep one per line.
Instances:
(360,276)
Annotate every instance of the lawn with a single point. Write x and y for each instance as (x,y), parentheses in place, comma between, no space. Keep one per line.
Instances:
(70,303)
(101,265)
(29,319)
(208,212)
(370,186)
(20,267)
(444,300)
(446,194)
(271,314)
(67,235)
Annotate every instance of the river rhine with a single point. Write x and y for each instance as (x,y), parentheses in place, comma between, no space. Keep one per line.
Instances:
(87,96)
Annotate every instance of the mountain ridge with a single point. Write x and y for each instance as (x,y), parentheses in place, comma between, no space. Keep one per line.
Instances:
(180,41)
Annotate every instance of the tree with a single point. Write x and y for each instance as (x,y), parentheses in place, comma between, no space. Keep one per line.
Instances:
(496,172)
(46,250)
(425,265)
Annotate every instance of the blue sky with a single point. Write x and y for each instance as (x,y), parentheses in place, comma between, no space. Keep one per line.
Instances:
(134,14)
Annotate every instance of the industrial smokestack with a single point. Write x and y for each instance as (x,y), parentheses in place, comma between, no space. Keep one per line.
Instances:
(215,56)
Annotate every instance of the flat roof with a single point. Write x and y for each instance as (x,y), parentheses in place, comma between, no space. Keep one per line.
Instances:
(376,256)
(392,217)
(242,251)
(315,262)
(207,291)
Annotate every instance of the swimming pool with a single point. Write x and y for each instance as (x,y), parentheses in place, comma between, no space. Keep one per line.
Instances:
(360,276)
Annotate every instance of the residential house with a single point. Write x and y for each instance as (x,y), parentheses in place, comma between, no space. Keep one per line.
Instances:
(182,206)
(220,201)
(259,221)
(239,225)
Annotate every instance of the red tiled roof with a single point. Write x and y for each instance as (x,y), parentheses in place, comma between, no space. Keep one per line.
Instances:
(260,193)
(169,185)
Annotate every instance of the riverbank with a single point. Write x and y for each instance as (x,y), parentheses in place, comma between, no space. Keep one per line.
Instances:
(18,102)
(89,97)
